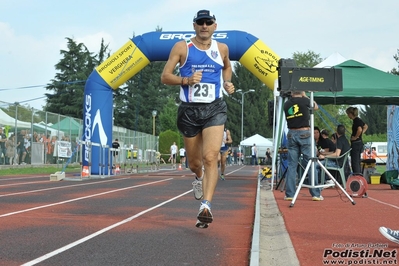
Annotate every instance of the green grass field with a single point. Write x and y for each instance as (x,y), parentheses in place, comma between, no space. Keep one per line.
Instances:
(35,170)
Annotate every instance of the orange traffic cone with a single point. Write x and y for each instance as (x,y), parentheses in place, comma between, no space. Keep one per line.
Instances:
(180,166)
(117,170)
(85,171)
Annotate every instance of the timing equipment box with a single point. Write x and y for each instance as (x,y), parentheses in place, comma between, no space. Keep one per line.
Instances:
(310,79)
(293,78)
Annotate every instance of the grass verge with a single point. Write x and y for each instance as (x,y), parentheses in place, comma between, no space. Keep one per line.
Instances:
(31,170)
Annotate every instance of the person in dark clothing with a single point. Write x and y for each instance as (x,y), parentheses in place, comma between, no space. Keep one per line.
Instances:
(358,129)
(342,146)
(323,145)
(115,145)
(235,156)
(21,151)
(3,150)
(299,136)
(268,156)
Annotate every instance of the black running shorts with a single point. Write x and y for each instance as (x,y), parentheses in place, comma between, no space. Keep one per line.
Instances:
(192,118)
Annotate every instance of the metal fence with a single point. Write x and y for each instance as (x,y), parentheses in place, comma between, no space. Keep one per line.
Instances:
(41,129)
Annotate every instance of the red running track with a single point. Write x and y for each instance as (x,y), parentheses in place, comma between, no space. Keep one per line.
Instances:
(140,219)
(335,231)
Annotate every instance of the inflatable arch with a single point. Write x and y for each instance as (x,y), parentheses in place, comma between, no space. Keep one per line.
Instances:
(138,52)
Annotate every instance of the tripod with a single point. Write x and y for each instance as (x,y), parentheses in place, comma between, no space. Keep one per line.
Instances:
(311,164)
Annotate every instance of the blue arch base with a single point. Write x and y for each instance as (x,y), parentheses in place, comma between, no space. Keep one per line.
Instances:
(97,123)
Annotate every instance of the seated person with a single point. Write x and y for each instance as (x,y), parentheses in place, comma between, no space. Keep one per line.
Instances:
(342,146)
(328,143)
(324,145)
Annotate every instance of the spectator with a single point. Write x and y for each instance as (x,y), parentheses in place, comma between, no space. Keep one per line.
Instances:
(358,129)
(235,156)
(3,150)
(115,153)
(323,145)
(297,114)
(11,150)
(229,156)
(342,146)
(268,156)
(254,155)
(27,150)
(173,154)
(51,150)
(21,152)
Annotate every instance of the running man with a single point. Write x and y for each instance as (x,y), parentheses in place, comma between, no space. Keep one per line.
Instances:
(205,71)
(223,152)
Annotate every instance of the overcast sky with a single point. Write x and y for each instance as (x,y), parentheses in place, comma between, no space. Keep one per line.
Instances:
(32,33)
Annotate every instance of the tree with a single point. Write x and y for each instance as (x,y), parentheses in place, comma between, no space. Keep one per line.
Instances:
(143,93)
(307,59)
(167,118)
(375,116)
(68,85)
(394,70)
(255,106)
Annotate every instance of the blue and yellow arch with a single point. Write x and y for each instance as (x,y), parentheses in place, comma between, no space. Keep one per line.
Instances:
(138,52)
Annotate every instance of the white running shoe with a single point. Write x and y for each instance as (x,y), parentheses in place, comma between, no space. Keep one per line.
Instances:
(197,189)
(319,198)
(390,234)
(205,214)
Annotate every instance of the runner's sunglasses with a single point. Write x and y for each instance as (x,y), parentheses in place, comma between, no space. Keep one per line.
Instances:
(201,22)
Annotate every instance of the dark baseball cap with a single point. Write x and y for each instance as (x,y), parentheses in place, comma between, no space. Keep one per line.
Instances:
(204,14)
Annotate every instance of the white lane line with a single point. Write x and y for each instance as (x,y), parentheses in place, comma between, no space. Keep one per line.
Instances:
(73,244)
(21,177)
(80,198)
(255,247)
(61,187)
(376,200)
(24,183)
(234,171)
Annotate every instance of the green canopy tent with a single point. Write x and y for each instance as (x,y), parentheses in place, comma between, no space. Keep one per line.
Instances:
(69,125)
(362,84)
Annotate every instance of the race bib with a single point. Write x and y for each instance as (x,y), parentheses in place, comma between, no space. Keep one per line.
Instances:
(201,93)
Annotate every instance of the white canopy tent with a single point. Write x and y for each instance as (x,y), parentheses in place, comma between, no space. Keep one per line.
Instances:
(258,140)
(261,143)
(6,120)
(333,60)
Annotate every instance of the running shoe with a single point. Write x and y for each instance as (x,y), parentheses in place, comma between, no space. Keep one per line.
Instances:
(319,198)
(205,214)
(390,234)
(330,182)
(202,225)
(288,198)
(222,177)
(197,189)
